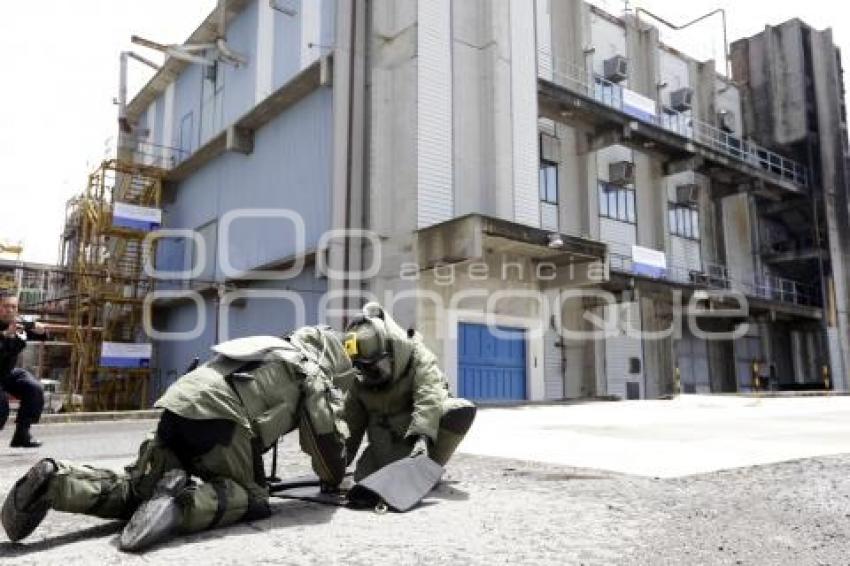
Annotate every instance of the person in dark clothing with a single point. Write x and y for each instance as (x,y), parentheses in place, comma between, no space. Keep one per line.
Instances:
(18,381)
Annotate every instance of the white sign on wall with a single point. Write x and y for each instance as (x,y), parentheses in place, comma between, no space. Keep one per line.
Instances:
(649,262)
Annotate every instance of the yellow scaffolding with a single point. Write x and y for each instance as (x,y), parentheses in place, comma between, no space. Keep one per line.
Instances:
(108,283)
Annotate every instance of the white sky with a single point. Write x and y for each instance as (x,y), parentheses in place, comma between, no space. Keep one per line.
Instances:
(60,69)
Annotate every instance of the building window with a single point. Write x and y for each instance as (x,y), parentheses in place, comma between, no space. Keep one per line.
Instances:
(617,203)
(684,221)
(548,182)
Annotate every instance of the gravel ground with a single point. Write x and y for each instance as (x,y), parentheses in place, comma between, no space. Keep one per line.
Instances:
(488,511)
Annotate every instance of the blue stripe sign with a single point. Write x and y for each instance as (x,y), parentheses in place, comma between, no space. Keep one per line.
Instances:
(648,262)
(136,217)
(125,355)
(638,106)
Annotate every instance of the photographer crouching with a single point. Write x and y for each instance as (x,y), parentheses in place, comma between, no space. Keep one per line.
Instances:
(14,334)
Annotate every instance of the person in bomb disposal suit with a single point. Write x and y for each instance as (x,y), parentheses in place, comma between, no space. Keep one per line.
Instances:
(400,398)
(17,381)
(217,421)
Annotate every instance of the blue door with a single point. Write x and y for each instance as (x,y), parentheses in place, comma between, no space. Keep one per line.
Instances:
(491,367)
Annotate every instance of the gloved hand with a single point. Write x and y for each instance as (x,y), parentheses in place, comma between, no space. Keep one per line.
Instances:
(420,446)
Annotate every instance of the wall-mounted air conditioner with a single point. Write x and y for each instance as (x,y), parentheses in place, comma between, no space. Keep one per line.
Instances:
(682,99)
(621,173)
(726,120)
(687,194)
(616,69)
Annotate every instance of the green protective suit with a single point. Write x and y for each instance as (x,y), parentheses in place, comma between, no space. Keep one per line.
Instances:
(267,386)
(415,403)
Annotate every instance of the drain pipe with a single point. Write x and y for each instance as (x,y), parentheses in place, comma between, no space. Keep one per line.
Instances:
(675,27)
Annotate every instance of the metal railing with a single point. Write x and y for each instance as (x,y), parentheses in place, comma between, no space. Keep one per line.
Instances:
(578,79)
(716,276)
(155,155)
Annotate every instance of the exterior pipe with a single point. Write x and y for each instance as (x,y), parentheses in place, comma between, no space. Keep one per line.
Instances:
(720,11)
(123,122)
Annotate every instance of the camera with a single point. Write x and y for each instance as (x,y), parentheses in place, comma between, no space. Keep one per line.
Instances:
(27,323)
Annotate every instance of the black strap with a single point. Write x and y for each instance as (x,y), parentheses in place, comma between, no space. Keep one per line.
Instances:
(102,495)
(221,502)
(257,461)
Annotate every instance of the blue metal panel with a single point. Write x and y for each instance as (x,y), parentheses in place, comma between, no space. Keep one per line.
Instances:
(159,122)
(240,83)
(173,356)
(187,102)
(275,316)
(289,168)
(328,25)
(287,47)
(253,316)
(491,367)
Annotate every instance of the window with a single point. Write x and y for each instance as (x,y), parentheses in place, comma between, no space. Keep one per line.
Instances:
(617,203)
(548,182)
(684,221)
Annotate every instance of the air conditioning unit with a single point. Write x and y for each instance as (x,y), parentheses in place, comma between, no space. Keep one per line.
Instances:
(726,120)
(687,194)
(616,69)
(621,173)
(682,99)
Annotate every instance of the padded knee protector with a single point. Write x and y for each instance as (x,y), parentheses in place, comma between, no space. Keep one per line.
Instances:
(327,451)
(454,424)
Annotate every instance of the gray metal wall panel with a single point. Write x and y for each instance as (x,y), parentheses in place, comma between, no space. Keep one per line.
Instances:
(434,114)
(621,348)
(526,154)
(549,216)
(620,236)
(553,377)
(684,257)
(543,29)
(692,357)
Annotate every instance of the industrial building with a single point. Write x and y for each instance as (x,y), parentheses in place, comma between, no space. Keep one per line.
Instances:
(489,159)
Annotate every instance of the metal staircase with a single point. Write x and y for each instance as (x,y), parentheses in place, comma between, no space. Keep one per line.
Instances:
(108,283)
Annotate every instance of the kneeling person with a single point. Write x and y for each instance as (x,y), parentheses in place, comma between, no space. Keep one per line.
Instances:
(400,397)
(217,421)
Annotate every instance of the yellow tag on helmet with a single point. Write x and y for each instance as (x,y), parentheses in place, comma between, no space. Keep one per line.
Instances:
(351,344)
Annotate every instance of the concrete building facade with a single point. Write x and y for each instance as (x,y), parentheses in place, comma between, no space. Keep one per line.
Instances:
(541,189)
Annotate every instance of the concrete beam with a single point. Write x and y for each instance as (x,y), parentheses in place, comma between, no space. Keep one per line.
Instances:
(239,140)
(796,256)
(688,164)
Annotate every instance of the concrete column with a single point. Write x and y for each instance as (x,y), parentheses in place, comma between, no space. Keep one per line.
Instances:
(659,357)
(835,181)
